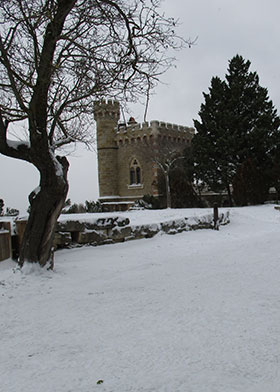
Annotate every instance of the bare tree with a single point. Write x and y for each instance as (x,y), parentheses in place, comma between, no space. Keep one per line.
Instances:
(56,58)
(166,155)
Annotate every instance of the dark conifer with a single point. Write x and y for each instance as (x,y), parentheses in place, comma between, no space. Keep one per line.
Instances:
(239,129)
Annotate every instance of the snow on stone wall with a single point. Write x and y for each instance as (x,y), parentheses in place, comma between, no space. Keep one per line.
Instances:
(118,229)
(75,230)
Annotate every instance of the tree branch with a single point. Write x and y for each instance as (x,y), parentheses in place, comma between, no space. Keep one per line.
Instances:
(12,149)
(5,61)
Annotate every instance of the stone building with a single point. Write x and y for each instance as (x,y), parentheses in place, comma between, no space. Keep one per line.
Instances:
(126,172)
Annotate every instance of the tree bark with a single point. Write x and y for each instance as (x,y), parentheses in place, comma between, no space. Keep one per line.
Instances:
(46,206)
(229,196)
(168,193)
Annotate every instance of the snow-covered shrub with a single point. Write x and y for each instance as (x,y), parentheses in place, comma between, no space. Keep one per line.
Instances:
(89,206)
(140,205)
(92,206)
(11,212)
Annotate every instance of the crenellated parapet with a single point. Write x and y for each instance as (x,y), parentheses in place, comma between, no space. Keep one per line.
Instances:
(106,109)
(138,131)
(157,126)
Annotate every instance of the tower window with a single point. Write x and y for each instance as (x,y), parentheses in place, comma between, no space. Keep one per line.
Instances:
(138,175)
(132,176)
(135,173)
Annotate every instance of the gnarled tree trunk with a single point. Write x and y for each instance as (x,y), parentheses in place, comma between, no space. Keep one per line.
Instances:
(46,205)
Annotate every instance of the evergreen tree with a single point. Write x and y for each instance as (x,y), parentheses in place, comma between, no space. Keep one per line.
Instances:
(250,185)
(213,167)
(239,127)
(183,192)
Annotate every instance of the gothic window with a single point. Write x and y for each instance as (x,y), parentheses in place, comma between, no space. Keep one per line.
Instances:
(135,173)
(138,175)
(132,176)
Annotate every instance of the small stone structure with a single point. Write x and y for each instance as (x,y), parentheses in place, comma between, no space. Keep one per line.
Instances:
(126,173)
(5,241)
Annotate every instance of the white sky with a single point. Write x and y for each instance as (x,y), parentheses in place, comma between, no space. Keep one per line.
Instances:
(224,28)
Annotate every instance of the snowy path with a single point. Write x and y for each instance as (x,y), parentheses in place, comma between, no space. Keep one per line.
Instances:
(195,312)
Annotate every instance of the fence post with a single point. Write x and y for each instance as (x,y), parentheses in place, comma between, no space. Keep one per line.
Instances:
(216,216)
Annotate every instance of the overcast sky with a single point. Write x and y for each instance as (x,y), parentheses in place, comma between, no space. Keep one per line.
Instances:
(224,28)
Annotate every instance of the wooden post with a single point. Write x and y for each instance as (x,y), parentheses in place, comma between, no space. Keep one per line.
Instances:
(20,225)
(216,216)
(5,241)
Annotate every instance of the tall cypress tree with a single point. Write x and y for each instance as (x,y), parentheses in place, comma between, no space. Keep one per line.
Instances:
(238,124)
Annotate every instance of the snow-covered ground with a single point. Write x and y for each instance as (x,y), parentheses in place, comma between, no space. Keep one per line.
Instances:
(194,312)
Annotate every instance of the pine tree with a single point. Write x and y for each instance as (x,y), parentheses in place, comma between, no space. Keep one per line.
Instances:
(238,125)
(213,138)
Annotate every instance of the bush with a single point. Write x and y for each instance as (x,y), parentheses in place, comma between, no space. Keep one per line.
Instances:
(11,212)
(89,206)
(92,206)
(148,202)
(154,202)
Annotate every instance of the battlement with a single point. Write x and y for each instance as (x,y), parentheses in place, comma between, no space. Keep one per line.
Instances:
(154,127)
(106,108)
(107,103)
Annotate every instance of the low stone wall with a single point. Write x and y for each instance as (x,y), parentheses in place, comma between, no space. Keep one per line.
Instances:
(118,229)
(72,232)
(5,241)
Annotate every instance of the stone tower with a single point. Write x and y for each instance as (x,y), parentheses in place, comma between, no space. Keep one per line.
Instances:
(107,114)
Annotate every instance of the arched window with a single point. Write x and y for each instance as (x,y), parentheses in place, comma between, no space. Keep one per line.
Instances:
(132,176)
(135,172)
(138,175)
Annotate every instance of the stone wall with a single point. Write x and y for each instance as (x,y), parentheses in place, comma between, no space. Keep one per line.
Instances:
(118,229)
(126,154)
(74,233)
